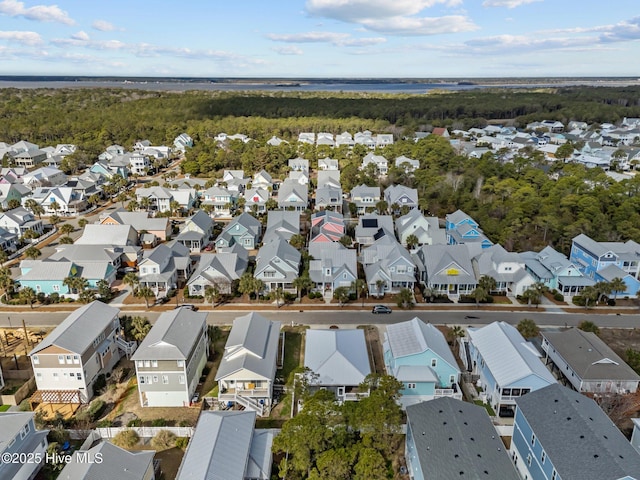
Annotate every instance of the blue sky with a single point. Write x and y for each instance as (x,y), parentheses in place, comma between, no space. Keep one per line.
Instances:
(320,38)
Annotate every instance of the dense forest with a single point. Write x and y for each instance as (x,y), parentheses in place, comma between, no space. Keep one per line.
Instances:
(523,203)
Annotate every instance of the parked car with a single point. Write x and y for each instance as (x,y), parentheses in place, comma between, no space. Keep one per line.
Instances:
(195,398)
(380,309)
(188,306)
(209,247)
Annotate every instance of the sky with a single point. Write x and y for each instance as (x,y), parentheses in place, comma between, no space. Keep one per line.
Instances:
(321,38)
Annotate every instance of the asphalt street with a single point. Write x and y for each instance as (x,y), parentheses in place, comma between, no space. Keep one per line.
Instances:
(354,318)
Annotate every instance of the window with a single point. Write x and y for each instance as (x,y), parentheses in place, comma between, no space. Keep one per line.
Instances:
(141,379)
(543,456)
(147,363)
(24,431)
(529,460)
(411,385)
(60,358)
(71,374)
(155,379)
(533,440)
(506,392)
(140,363)
(76,359)
(55,376)
(452,379)
(154,363)
(554,474)
(36,360)
(38,375)
(434,362)
(524,391)
(181,379)
(56,288)
(165,379)
(68,359)
(78,376)
(180,363)
(515,392)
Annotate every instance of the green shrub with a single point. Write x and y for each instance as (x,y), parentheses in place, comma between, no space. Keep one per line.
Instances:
(182,442)
(126,439)
(104,424)
(135,423)
(95,409)
(185,423)
(579,300)
(159,422)
(558,297)
(163,440)
(99,384)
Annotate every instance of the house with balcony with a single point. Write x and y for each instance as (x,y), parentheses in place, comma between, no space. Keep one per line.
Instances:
(582,360)
(69,360)
(380,163)
(235,180)
(227,446)
(277,265)
(447,269)
(399,196)
(508,366)
(426,229)
(248,367)
(106,460)
(447,439)
(299,177)
(329,191)
(417,354)
(220,270)
(326,226)
(556,271)
(282,224)
(197,231)
(166,267)
(44,177)
(332,266)
(8,241)
(559,433)
(299,164)
(603,261)
(12,191)
(262,179)
(158,199)
(221,199)
(160,227)
(20,438)
(338,361)
(388,267)
(170,359)
(255,199)
(407,164)
(19,220)
(371,228)
(462,229)
(365,198)
(182,142)
(293,196)
(328,163)
(506,268)
(245,230)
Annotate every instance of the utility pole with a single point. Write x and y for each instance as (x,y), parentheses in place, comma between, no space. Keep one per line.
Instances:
(26,334)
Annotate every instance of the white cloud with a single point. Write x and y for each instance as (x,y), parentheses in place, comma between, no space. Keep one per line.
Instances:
(81,35)
(25,38)
(421,26)
(40,13)
(507,3)
(353,11)
(288,50)
(103,26)
(334,38)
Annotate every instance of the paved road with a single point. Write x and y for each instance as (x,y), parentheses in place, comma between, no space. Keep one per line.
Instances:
(338,317)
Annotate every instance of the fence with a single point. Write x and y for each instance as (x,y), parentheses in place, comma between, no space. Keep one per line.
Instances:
(40,239)
(145,432)
(22,393)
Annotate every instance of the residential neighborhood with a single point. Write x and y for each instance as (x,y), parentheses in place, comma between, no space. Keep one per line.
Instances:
(143,259)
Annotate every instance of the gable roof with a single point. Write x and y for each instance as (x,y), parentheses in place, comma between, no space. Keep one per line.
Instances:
(578,437)
(116,463)
(252,345)
(172,336)
(507,354)
(457,440)
(415,336)
(99,234)
(338,357)
(78,331)
(589,357)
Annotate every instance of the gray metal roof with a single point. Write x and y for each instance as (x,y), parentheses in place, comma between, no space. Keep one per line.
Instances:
(78,331)
(455,439)
(116,463)
(10,425)
(96,234)
(507,354)
(414,337)
(577,436)
(252,345)
(172,336)
(219,448)
(338,357)
(415,373)
(589,357)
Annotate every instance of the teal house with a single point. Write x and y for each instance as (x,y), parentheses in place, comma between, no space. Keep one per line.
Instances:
(48,276)
(417,354)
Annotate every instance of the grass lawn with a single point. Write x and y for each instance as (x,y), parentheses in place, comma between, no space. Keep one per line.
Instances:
(293,357)
(487,406)
(4,408)
(210,386)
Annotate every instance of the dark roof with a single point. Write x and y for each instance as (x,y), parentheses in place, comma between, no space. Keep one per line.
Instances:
(577,436)
(456,439)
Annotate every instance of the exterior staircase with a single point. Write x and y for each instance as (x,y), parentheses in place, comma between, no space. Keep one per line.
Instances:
(251,404)
(127,347)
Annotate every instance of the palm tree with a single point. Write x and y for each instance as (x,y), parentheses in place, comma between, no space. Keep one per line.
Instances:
(297,241)
(140,327)
(342,295)
(94,199)
(28,295)
(133,205)
(54,220)
(587,326)
(146,293)
(532,295)
(359,286)
(35,207)
(76,284)
(6,282)
(87,296)
(131,279)
(145,203)
(603,289)
(66,240)
(617,285)
(528,328)
(249,284)
(212,294)
(412,241)
(83,222)
(382,206)
(30,234)
(32,253)
(278,294)
(67,228)
(404,298)
(55,206)
(303,282)
(479,294)
(380,284)
(122,197)
(488,283)
(456,332)
(589,294)
(174,206)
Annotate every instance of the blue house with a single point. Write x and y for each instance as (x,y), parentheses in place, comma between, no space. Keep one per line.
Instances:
(604,261)
(46,276)
(559,434)
(509,366)
(556,271)
(448,439)
(417,354)
(461,228)
(20,439)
